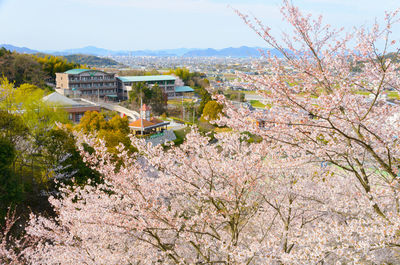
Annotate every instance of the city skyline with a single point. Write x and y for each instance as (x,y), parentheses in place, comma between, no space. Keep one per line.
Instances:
(156,24)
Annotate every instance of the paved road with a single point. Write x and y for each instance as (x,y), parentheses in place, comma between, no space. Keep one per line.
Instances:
(134,115)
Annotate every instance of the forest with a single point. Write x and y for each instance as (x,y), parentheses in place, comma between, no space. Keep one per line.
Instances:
(32,69)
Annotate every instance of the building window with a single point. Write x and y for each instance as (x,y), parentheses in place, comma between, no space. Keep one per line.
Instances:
(78,117)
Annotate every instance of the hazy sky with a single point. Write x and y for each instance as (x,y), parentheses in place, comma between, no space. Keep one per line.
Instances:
(160,24)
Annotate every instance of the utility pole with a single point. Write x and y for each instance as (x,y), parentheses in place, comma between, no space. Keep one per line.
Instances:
(141,114)
(183,111)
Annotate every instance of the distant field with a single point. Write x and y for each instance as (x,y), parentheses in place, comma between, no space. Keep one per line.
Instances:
(393,95)
(249,92)
(257,104)
(178,101)
(362,92)
(230,76)
(390,94)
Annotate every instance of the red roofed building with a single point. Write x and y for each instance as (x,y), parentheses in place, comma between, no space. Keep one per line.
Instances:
(147,124)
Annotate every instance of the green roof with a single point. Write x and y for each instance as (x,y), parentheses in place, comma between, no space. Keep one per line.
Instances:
(146,78)
(184,89)
(77,71)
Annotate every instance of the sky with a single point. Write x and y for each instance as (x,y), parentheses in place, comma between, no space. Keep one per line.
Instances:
(162,24)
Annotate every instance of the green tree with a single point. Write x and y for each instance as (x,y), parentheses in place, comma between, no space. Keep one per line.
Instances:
(31,123)
(158,100)
(11,189)
(114,131)
(61,150)
(92,121)
(12,127)
(205,98)
(22,68)
(211,111)
(52,64)
(139,91)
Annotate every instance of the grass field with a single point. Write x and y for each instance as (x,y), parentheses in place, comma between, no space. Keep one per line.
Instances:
(178,101)
(393,95)
(257,104)
(390,94)
(181,134)
(361,92)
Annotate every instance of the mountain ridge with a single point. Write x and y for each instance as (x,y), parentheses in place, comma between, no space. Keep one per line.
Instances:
(243,51)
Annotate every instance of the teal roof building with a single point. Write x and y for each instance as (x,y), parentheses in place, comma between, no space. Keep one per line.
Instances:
(146,78)
(166,82)
(183,89)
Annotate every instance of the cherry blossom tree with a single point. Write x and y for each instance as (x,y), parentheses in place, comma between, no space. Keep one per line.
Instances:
(14,250)
(230,203)
(320,188)
(318,110)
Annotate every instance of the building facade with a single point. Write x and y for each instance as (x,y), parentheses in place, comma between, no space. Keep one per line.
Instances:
(98,84)
(87,83)
(166,82)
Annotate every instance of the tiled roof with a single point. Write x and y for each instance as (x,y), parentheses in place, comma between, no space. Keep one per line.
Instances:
(138,123)
(156,121)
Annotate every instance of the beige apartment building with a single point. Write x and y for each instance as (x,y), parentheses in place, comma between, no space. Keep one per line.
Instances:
(90,83)
(87,83)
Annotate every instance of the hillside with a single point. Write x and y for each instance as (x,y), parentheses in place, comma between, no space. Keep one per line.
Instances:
(18,49)
(90,60)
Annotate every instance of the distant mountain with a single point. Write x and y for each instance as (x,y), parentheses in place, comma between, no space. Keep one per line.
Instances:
(89,50)
(243,51)
(17,49)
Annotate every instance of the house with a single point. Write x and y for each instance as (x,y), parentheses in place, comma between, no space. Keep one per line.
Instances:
(147,124)
(186,91)
(76,108)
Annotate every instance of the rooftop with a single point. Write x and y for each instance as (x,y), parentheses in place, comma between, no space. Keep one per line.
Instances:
(77,71)
(138,123)
(147,78)
(59,99)
(154,123)
(184,89)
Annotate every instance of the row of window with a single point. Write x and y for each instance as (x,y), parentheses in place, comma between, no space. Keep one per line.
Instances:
(93,85)
(100,91)
(168,82)
(85,78)
(160,83)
